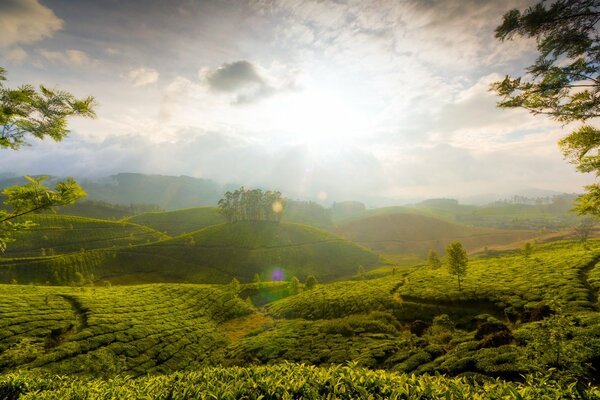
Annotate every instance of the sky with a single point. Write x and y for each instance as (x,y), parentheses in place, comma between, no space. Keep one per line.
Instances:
(381,101)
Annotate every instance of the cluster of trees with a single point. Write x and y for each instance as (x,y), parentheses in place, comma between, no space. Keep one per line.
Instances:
(251,205)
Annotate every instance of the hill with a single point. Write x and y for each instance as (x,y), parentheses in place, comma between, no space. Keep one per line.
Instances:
(515,316)
(178,222)
(62,234)
(399,234)
(215,254)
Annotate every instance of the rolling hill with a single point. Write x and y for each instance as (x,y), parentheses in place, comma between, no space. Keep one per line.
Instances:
(62,234)
(400,234)
(215,254)
(179,221)
(512,316)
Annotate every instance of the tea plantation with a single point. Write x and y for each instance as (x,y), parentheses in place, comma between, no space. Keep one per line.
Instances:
(523,326)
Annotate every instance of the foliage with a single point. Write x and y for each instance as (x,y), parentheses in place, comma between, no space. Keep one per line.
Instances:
(433,260)
(287,381)
(311,282)
(25,111)
(251,205)
(102,331)
(457,260)
(40,113)
(527,249)
(33,197)
(563,82)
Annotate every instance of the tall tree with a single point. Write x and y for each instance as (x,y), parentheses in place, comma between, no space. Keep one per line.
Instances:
(564,81)
(456,257)
(41,113)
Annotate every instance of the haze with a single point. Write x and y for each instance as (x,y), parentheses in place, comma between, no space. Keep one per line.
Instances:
(328,100)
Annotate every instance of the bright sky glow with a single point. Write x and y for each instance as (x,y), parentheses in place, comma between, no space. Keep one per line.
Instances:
(383,101)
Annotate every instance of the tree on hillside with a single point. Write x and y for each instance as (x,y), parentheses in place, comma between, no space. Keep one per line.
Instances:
(527,249)
(457,260)
(433,260)
(251,205)
(564,81)
(584,229)
(311,282)
(41,113)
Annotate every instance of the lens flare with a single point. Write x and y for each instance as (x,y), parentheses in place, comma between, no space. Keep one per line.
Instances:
(277,207)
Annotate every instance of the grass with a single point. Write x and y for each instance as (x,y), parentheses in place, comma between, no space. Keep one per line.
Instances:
(178,222)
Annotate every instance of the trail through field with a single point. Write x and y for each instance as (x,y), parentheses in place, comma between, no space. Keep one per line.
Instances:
(79,310)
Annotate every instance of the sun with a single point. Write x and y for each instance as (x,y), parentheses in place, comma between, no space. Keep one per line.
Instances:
(315,115)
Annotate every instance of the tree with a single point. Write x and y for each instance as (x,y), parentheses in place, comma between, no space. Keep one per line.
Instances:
(564,81)
(433,260)
(311,282)
(294,286)
(527,249)
(456,257)
(584,229)
(24,112)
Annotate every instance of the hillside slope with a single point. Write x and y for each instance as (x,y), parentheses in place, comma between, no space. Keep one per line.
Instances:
(212,255)
(399,233)
(61,234)
(179,221)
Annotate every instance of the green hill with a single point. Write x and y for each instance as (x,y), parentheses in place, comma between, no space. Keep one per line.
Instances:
(515,316)
(179,221)
(400,234)
(61,234)
(215,254)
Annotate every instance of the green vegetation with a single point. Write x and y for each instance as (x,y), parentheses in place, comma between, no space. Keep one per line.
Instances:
(178,222)
(215,254)
(61,234)
(102,331)
(515,315)
(251,205)
(457,260)
(27,112)
(288,381)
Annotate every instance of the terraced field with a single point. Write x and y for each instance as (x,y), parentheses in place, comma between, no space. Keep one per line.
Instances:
(101,331)
(412,320)
(215,254)
(61,234)
(178,222)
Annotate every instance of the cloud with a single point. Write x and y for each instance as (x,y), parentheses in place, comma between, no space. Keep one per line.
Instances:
(26,21)
(233,77)
(16,55)
(143,76)
(67,57)
(247,82)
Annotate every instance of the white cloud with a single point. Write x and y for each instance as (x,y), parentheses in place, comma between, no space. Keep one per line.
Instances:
(26,21)
(67,57)
(143,76)
(16,55)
